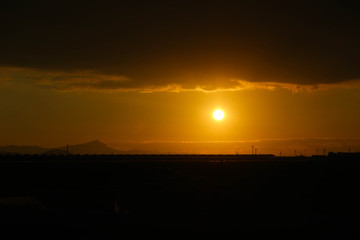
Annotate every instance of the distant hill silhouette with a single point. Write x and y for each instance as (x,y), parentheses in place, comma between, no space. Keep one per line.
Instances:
(7,153)
(55,152)
(13,149)
(93,147)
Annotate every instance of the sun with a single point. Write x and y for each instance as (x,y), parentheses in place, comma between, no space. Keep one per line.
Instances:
(218,114)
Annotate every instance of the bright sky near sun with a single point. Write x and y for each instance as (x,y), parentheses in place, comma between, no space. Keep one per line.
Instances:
(75,117)
(218,114)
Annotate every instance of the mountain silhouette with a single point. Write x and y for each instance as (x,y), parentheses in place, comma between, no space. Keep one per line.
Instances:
(55,152)
(13,149)
(93,147)
(7,153)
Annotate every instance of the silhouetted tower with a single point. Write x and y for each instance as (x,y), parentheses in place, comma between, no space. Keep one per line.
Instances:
(67,149)
(252,149)
(255,151)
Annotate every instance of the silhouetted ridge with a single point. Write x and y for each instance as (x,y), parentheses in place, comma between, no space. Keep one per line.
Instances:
(56,152)
(13,149)
(93,147)
(7,153)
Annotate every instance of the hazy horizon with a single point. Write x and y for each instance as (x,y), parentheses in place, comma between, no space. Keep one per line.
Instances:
(284,147)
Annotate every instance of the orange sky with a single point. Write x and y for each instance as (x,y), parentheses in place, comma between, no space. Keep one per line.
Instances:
(39,116)
(149,74)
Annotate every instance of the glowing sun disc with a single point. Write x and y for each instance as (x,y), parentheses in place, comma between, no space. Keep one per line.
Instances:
(218,114)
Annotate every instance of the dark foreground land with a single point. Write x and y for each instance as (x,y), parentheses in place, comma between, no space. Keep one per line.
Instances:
(113,197)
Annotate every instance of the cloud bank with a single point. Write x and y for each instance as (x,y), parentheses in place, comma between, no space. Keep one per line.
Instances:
(177,46)
(94,81)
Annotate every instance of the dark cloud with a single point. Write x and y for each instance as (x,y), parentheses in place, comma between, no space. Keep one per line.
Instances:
(95,81)
(161,43)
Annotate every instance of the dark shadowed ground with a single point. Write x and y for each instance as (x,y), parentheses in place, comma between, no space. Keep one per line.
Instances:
(110,197)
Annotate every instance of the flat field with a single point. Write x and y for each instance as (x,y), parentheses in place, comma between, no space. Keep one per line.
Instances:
(95,197)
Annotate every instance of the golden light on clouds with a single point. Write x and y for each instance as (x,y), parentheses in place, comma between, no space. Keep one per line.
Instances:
(91,80)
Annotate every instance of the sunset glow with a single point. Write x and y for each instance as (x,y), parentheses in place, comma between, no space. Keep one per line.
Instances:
(142,76)
(192,118)
(218,115)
